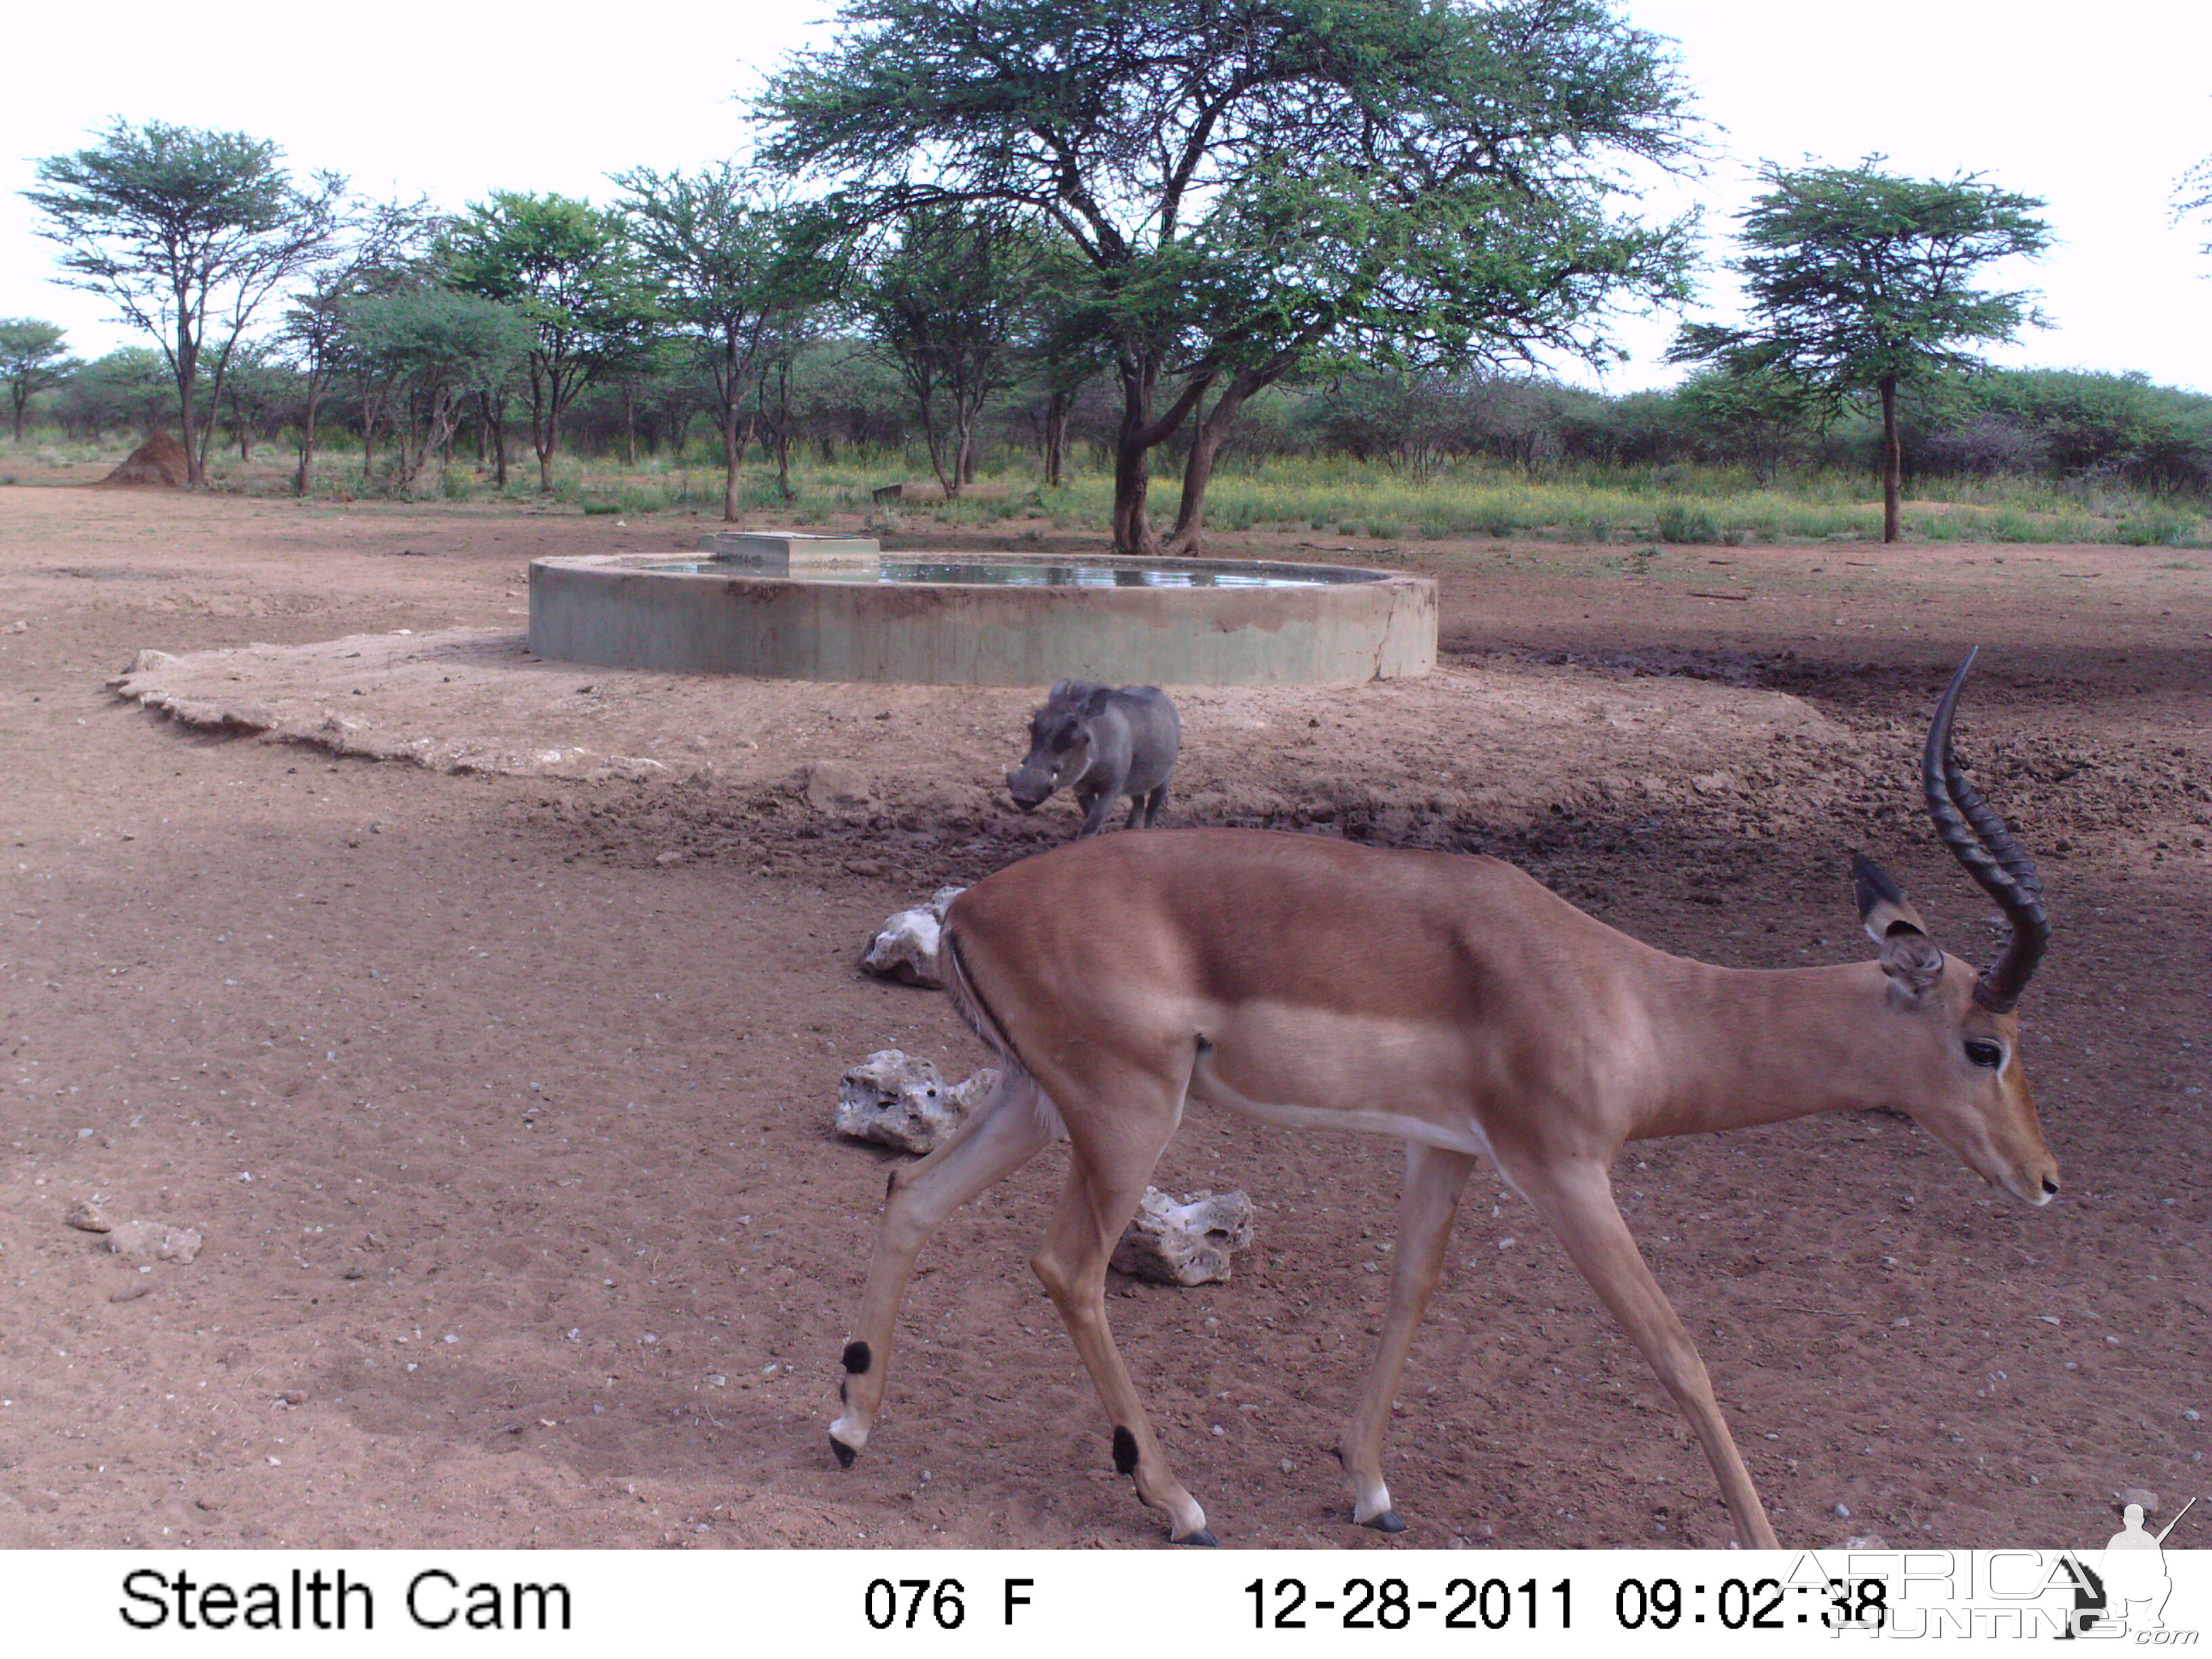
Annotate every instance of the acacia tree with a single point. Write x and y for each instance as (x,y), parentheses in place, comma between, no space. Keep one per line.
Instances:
(427,350)
(32,360)
(1762,415)
(806,284)
(949,301)
(1859,282)
(1247,185)
(2192,193)
(376,252)
(258,385)
(131,385)
(187,233)
(571,271)
(728,249)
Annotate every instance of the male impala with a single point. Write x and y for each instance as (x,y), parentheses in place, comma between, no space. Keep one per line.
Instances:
(1452,1002)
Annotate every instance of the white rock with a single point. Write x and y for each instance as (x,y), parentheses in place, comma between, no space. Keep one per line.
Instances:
(156,1240)
(827,786)
(1184,1243)
(896,1100)
(905,947)
(89,1215)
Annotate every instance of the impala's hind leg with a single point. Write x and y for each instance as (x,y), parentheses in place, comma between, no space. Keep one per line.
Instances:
(1008,1129)
(1106,1179)
(1433,1180)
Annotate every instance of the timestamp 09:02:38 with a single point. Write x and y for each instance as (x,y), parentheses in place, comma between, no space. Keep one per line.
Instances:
(1637,1604)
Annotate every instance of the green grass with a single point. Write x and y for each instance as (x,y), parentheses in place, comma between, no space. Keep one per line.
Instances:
(1330,496)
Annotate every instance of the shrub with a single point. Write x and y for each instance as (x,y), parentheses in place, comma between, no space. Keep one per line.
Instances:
(1682,523)
(2157,525)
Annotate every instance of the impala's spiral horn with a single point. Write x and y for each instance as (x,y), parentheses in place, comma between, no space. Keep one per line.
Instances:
(1978,838)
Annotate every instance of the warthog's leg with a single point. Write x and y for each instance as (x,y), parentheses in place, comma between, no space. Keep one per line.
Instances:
(1096,805)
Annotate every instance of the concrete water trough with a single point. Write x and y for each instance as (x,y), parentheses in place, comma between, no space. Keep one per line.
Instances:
(838,608)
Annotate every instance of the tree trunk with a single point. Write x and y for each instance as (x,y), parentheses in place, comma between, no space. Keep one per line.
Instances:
(495,420)
(195,457)
(1198,466)
(948,477)
(22,398)
(733,455)
(304,478)
(544,426)
(186,362)
(1139,437)
(1133,448)
(1892,463)
(629,425)
(1056,411)
(1133,530)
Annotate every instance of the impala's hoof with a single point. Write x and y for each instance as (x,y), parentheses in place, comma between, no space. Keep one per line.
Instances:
(1203,1536)
(845,1453)
(1386,1522)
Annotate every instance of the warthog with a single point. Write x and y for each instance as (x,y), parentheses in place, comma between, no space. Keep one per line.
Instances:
(1104,741)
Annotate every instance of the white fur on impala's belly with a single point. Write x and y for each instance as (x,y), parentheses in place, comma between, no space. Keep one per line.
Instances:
(1312,1068)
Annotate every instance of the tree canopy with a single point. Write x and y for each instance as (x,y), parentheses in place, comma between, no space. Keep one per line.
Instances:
(187,231)
(729,252)
(569,268)
(2192,194)
(1247,185)
(426,349)
(952,300)
(1860,281)
(33,356)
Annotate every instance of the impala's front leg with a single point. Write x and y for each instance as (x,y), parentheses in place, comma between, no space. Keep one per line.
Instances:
(1434,1179)
(1575,1198)
(1113,1154)
(1007,1130)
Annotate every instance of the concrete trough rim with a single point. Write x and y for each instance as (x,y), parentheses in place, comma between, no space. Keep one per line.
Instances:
(629,609)
(1345,576)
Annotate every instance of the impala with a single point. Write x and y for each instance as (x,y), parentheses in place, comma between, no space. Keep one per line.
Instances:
(1457,1005)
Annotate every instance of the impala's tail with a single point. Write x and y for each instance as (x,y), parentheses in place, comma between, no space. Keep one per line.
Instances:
(969,999)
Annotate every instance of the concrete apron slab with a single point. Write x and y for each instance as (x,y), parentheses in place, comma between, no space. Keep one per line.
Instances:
(615,611)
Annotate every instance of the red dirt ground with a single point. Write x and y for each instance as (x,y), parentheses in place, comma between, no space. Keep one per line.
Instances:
(501,1101)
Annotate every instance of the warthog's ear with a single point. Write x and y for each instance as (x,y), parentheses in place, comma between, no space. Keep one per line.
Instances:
(1094,704)
(1908,956)
(1061,691)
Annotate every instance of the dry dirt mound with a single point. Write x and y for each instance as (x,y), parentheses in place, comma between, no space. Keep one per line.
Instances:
(1506,742)
(159,463)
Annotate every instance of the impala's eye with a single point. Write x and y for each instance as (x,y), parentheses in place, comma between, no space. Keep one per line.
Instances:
(1985,1054)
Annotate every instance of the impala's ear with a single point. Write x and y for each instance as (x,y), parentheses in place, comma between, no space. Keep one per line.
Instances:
(1908,956)
(1882,901)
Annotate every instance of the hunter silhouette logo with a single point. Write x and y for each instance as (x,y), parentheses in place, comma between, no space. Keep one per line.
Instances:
(2127,1590)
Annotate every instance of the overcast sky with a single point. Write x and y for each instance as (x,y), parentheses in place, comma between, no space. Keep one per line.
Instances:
(2098,109)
